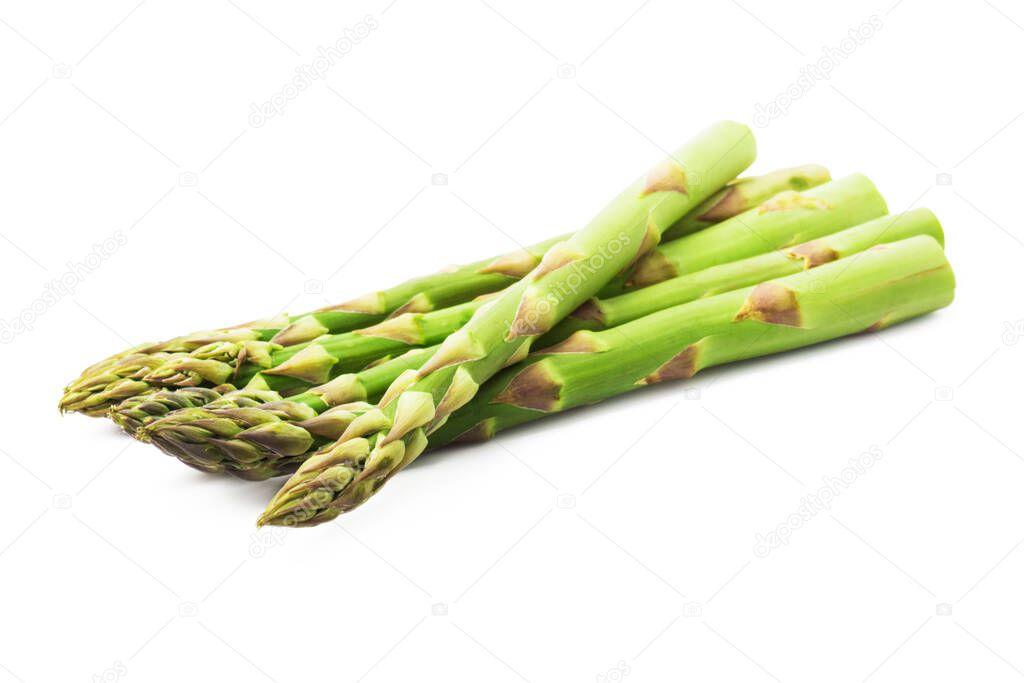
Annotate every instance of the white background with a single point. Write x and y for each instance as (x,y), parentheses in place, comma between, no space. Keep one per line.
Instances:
(117,562)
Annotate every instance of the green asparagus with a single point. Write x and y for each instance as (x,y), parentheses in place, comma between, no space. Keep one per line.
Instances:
(886,285)
(219,433)
(385,440)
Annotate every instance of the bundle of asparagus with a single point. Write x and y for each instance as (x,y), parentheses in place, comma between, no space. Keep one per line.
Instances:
(686,269)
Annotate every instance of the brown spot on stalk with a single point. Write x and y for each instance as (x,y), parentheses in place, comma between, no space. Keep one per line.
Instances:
(790,201)
(306,328)
(652,236)
(583,341)
(520,354)
(534,388)
(668,176)
(342,389)
(275,323)
(460,392)
(481,431)
(879,325)
(683,365)
(516,264)
(401,329)
(459,347)
(730,202)
(814,253)
(653,268)
(556,257)
(772,303)
(312,364)
(420,303)
(256,353)
(535,316)
(590,310)
(372,304)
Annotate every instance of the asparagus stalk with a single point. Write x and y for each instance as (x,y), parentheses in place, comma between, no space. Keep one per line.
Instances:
(387,439)
(786,219)
(288,368)
(743,194)
(881,287)
(118,378)
(218,433)
(886,285)
(457,285)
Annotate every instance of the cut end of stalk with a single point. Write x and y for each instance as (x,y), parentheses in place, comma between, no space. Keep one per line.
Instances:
(772,303)
(534,388)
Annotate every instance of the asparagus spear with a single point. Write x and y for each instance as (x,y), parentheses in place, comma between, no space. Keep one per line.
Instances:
(881,287)
(118,378)
(786,219)
(219,432)
(456,286)
(383,441)
(743,194)
(286,368)
(886,285)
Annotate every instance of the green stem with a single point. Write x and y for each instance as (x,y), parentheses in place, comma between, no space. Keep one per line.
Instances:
(786,219)
(502,331)
(270,450)
(878,288)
